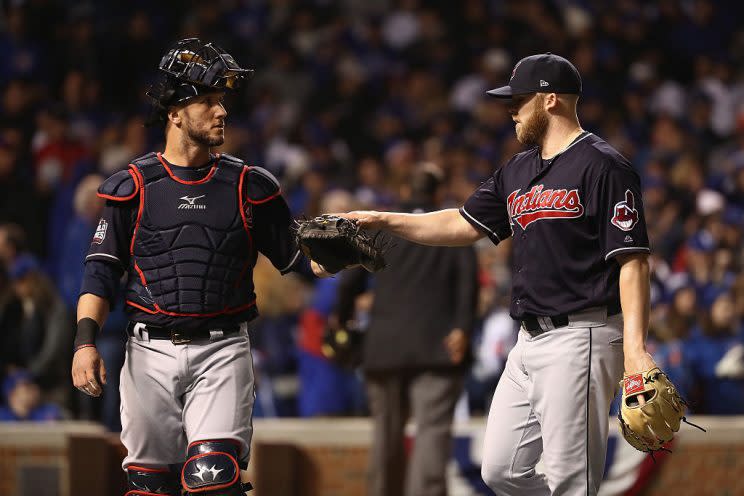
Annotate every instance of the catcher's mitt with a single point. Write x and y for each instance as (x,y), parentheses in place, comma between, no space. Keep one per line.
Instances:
(337,243)
(648,427)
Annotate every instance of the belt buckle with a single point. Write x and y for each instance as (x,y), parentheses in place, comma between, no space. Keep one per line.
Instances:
(178,338)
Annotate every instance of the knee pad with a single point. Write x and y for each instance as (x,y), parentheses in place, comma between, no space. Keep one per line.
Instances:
(212,467)
(143,481)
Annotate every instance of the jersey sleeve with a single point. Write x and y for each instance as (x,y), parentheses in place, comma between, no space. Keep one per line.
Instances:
(486,209)
(113,234)
(274,234)
(619,207)
(108,255)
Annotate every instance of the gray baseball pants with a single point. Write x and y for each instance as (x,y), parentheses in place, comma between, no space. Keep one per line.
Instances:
(553,402)
(175,394)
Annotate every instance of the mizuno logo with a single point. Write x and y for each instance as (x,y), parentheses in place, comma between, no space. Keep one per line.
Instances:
(190,205)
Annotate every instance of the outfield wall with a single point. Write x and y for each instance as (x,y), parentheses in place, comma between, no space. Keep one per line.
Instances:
(328,457)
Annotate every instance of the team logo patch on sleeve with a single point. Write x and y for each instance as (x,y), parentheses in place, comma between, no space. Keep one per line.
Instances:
(100,233)
(625,215)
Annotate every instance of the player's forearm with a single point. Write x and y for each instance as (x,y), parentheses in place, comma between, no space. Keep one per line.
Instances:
(634,299)
(440,228)
(93,307)
(92,311)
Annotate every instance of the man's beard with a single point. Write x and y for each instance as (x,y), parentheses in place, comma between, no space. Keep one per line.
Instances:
(202,137)
(534,130)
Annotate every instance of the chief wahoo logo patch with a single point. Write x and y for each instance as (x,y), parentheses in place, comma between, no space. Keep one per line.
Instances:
(625,216)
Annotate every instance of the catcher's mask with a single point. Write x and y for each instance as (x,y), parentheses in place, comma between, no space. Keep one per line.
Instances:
(191,69)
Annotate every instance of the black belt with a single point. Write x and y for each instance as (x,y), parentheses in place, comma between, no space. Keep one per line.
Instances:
(536,325)
(181,337)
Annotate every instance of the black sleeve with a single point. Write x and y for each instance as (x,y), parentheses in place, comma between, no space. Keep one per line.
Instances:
(274,235)
(466,289)
(486,209)
(111,241)
(108,255)
(616,201)
(101,279)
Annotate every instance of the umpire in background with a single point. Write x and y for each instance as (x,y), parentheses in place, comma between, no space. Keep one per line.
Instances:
(416,350)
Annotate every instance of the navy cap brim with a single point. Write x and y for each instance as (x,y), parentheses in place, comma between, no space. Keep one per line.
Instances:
(503,92)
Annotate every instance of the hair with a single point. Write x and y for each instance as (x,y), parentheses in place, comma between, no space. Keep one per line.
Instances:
(426,181)
(16,236)
(42,290)
(85,193)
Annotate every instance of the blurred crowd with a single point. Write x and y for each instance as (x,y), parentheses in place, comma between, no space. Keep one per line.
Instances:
(349,98)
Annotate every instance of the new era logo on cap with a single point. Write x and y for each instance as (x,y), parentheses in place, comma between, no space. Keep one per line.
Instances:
(541,73)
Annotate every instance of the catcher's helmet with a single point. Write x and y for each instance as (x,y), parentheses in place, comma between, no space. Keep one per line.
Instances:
(193,68)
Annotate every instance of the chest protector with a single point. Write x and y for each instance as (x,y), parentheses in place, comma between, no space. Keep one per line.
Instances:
(191,246)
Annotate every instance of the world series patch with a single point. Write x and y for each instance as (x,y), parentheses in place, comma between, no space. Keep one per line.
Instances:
(100,233)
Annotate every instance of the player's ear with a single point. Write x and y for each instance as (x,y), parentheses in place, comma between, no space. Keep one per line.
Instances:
(550,100)
(174,115)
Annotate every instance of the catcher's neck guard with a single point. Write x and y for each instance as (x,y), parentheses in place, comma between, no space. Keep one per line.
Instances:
(193,68)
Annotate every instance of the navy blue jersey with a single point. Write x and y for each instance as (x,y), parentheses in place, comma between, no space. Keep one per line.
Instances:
(267,217)
(569,217)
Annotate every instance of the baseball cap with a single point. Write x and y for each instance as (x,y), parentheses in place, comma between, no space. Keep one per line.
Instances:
(541,73)
(13,379)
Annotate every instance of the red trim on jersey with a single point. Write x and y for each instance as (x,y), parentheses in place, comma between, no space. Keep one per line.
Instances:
(148,469)
(141,207)
(211,488)
(245,225)
(240,200)
(122,198)
(142,275)
(182,181)
(258,202)
(140,307)
(181,314)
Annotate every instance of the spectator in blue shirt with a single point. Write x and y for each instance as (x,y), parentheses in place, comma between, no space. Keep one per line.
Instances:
(23,398)
(715,354)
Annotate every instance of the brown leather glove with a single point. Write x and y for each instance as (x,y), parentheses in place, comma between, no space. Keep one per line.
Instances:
(647,427)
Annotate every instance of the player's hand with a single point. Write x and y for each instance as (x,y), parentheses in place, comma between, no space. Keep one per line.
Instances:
(318,269)
(456,343)
(637,362)
(88,371)
(368,219)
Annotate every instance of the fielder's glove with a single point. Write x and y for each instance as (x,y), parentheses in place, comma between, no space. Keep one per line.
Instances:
(648,427)
(337,243)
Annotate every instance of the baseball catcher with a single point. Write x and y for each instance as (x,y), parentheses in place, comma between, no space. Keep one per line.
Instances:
(337,243)
(648,425)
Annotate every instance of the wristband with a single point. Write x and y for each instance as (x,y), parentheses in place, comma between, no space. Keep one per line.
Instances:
(87,329)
